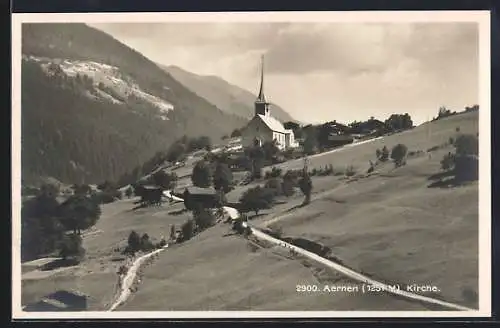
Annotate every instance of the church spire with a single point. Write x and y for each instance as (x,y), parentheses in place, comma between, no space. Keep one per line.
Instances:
(261,97)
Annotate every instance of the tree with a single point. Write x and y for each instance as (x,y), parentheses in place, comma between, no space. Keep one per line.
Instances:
(236,133)
(145,243)
(78,213)
(270,149)
(256,199)
(204,218)
(134,241)
(71,246)
(305,184)
(310,143)
(175,151)
(448,162)
(291,125)
(50,190)
(106,186)
(256,155)
(467,144)
(398,154)
(164,180)
(82,189)
(187,230)
(384,154)
(202,175)
(223,177)
(129,192)
(41,229)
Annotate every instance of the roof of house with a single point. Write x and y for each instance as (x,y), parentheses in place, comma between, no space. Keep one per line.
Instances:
(200,191)
(272,123)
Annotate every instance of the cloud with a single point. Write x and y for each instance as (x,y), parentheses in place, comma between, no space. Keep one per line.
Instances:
(348,70)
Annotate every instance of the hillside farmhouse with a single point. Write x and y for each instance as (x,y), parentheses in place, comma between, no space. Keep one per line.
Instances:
(263,127)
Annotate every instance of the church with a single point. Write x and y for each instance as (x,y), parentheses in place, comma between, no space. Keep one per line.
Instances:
(263,127)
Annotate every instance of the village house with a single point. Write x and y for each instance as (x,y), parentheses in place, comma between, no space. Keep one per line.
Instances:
(265,128)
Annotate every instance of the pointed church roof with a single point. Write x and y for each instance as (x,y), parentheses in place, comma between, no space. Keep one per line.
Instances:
(272,123)
(261,97)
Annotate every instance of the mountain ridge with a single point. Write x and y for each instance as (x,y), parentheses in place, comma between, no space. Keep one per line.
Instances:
(228,97)
(94,108)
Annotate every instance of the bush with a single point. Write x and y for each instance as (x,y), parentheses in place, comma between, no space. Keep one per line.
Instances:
(187,230)
(204,219)
(451,141)
(398,154)
(350,171)
(71,247)
(145,243)
(384,154)
(448,162)
(457,129)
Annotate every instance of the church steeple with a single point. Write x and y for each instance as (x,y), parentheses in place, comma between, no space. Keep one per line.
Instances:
(261,97)
(261,105)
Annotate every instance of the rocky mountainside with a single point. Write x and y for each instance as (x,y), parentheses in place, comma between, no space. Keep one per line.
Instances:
(93,108)
(228,97)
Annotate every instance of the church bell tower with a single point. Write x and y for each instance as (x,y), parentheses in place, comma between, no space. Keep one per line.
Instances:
(261,106)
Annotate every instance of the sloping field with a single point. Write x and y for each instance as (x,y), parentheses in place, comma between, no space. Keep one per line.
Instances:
(96,275)
(396,229)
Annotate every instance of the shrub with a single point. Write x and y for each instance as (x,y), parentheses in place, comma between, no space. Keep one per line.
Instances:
(457,129)
(398,154)
(451,141)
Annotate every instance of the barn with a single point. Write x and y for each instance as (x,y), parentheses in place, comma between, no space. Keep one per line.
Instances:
(207,197)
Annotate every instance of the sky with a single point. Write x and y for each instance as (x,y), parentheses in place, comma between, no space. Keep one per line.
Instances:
(326,71)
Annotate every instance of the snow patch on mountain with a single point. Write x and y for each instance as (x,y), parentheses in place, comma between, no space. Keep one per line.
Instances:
(107,81)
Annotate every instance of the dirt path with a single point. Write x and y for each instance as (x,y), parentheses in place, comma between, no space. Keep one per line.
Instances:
(130,277)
